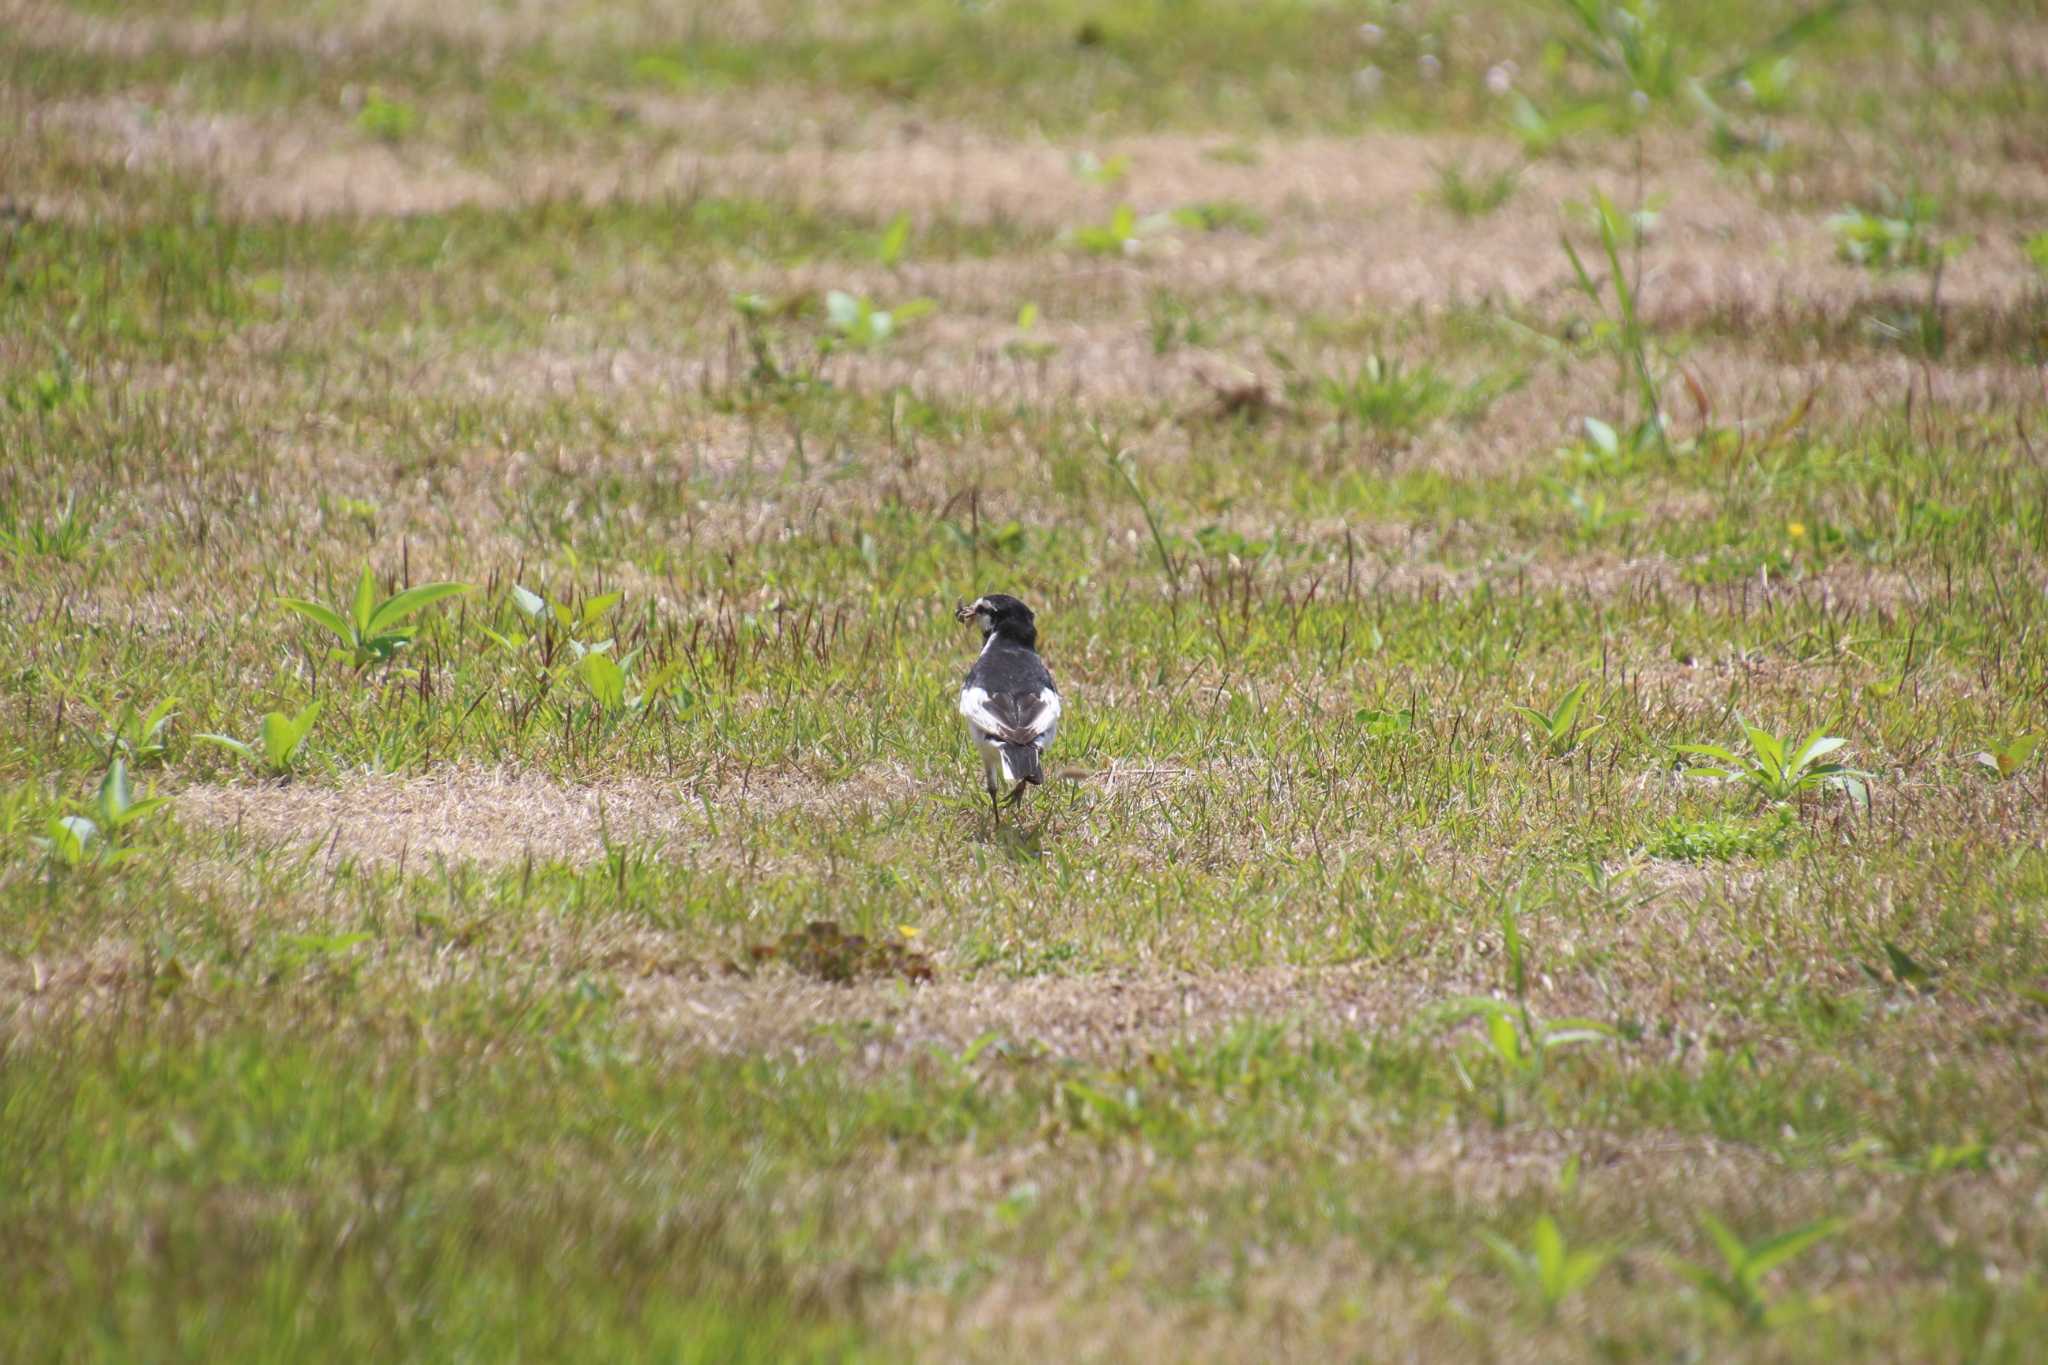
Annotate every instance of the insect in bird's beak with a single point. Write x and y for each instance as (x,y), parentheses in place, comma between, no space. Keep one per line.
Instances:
(963,614)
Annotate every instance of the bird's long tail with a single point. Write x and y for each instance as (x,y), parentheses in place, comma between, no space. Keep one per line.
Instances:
(1020,763)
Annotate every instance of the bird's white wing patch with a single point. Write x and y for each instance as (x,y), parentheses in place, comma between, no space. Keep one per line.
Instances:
(974,705)
(1047,718)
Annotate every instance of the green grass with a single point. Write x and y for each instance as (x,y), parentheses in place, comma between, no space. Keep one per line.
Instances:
(480,1030)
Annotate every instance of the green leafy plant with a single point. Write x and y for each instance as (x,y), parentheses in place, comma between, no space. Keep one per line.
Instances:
(1558,730)
(1221,215)
(1474,194)
(1392,399)
(1520,1042)
(577,623)
(75,840)
(277,744)
(1546,1271)
(1025,346)
(2036,249)
(370,629)
(856,321)
(615,690)
(1096,170)
(1620,325)
(1542,133)
(63,537)
(1117,237)
(136,736)
(1904,239)
(1738,1286)
(1646,61)
(2005,757)
(894,241)
(1779,770)
(386,119)
(1719,840)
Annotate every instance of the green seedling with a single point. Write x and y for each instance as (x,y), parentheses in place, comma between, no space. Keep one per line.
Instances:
(895,239)
(1904,240)
(1739,1285)
(75,840)
(1546,1271)
(1559,730)
(1098,171)
(1542,133)
(1117,237)
(1390,398)
(856,321)
(64,537)
(1520,1042)
(576,624)
(136,736)
(2036,249)
(370,629)
(277,744)
(387,119)
(1647,61)
(1468,194)
(612,687)
(1620,326)
(1780,771)
(2005,757)
(1024,346)
(1221,215)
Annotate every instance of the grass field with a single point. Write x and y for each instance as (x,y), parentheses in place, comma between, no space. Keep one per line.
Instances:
(1414,424)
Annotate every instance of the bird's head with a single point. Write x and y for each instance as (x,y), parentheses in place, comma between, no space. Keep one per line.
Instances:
(1000,614)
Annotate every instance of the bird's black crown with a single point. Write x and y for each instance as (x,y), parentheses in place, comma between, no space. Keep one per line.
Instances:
(1002,614)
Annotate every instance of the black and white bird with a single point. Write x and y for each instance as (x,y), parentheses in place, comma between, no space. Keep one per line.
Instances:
(1009,701)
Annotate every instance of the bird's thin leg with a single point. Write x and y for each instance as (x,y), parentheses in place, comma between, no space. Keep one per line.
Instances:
(994,807)
(1017,796)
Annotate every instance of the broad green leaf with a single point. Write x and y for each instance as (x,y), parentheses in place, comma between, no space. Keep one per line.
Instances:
(159,715)
(843,309)
(529,603)
(1767,747)
(138,809)
(1546,1244)
(1733,1252)
(1567,709)
(115,797)
(894,239)
(278,740)
(1500,1031)
(1766,1256)
(232,745)
(395,609)
(1578,1269)
(320,614)
(366,598)
(1817,746)
(595,607)
(607,683)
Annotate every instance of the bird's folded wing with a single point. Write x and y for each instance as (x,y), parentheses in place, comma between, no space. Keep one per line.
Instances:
(1014,717)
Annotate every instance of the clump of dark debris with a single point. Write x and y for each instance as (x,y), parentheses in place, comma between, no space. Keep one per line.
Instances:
(823,950)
